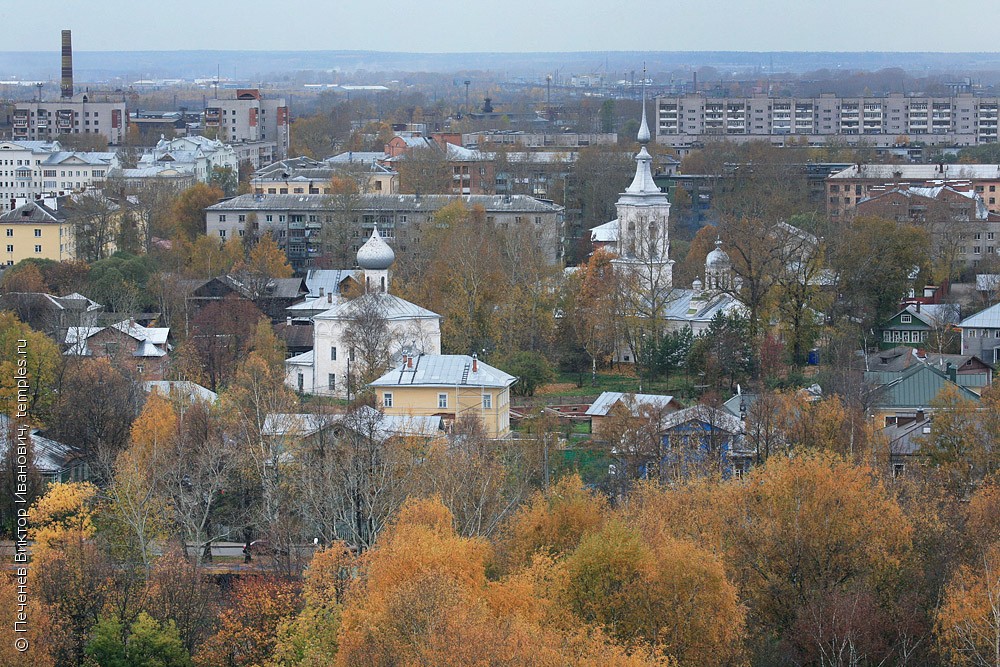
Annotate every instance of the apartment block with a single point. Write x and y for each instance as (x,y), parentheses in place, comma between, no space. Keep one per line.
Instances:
(304,224)
(82,114)
(36,230)
(30,169)
(963,120)
(250,117)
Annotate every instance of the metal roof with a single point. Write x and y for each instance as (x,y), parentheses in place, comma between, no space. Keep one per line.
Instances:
(384,203)
(602,406)
(438,370)
(391,307)
(984,319)
(916,387)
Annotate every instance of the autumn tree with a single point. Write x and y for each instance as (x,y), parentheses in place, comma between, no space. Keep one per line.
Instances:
(96,220)
(97,423)
(871,284)
(809,534)
(145,643)
(39,634)
(134,502)
(188,210)
(248,625)
(28,358)
(23,277)
(258,391)
(264,262)
(425,171)
(590,308)
(673,595)
(221,332)
(968,621)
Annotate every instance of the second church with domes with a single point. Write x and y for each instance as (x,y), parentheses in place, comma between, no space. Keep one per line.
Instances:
(326,368)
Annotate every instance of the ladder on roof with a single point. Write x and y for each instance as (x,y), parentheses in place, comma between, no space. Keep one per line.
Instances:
(465,374)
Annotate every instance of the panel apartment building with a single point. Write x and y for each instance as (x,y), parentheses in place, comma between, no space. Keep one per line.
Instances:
(250,117)
(961,120)
(297,222)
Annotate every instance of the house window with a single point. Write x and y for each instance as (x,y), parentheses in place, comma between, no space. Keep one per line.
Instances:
(487,401)
(222,233)
(332,381)
(387,399)
(333,354)
(38,248)
(139,368)
(222,218)
(906,319)
(38,233)
(898,469)
(442,400)
(10,248)
(10,232)
(977,250)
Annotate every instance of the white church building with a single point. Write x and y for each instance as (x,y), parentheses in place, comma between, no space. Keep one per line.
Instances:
(640,239)
(327,368)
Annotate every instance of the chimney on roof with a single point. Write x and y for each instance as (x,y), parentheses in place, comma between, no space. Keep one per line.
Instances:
(66,86)
(475,363)
(409,360)
(918,306)
(329,297)
(920,415)
(321,290)
(288,320)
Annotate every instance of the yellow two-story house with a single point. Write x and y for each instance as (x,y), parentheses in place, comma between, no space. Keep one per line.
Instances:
(450,386)
(37,229)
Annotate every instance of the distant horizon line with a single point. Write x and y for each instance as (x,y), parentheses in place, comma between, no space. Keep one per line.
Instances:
(78,51)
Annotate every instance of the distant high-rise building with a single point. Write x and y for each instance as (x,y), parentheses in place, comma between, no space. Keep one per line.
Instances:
(958,120)
(250,117)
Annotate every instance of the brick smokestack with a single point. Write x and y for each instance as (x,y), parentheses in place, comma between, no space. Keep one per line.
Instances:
(66,87)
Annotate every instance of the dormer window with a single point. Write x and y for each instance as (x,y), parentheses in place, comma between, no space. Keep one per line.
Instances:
(906,319)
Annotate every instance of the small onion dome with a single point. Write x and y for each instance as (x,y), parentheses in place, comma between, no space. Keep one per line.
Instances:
(697,285)
(718,257)
(375,254)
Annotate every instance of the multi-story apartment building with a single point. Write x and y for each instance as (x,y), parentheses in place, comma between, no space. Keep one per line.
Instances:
(537,140)
(963,120)
(250,117)
(36,230)
(848,187)
(81,114)
(29,169)
(302,224)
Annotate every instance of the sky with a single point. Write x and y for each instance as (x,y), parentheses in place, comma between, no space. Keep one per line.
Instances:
(450,26)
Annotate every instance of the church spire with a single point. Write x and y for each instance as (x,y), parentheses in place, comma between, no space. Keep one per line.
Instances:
(642,183)
(643,127)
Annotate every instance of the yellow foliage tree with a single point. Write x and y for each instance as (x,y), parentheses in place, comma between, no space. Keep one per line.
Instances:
(555,521)
(968,622)
(64,514)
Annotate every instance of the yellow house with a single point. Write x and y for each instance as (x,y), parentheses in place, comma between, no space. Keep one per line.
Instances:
(450,386)
(37,229)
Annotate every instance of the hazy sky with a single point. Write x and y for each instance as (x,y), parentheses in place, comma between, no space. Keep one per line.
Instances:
(512,25)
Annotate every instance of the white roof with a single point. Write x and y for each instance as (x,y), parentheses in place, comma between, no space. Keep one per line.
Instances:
(304,359)
(190,390)
(986,319)
(606,233)
(439,370)
(602,406)
(919,172)
(393,308)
